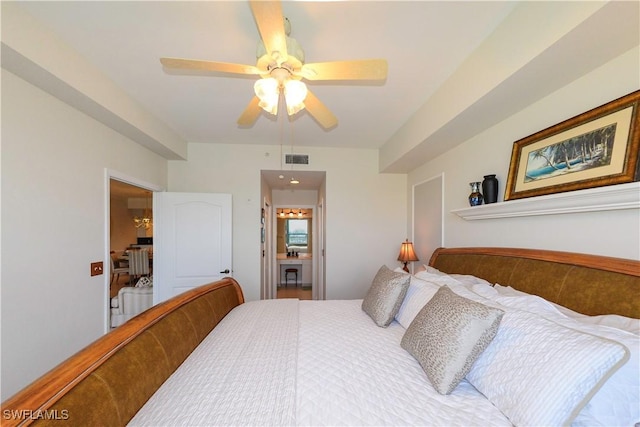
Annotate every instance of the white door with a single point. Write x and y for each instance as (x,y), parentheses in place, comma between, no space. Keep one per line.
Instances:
(192,241)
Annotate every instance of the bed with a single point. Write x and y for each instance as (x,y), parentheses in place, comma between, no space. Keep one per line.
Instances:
(208,358)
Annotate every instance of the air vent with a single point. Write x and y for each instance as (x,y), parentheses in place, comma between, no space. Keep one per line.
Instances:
(296,159)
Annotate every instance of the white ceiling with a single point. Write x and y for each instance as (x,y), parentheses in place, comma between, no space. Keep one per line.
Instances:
(456,68)
(281,179)
(423,42)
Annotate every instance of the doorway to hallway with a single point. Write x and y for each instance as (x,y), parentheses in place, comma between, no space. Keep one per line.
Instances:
(294,251)
(293,240)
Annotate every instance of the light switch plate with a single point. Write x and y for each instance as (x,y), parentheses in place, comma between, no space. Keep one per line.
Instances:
(96,268)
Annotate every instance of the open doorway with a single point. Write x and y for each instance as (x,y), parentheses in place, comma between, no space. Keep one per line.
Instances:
(301,249)
(131,228)
(294,252)
(129,249)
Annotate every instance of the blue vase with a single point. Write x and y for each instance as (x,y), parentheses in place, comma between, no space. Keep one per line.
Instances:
(475,198)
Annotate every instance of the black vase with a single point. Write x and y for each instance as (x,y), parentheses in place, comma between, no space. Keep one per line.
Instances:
(490,188)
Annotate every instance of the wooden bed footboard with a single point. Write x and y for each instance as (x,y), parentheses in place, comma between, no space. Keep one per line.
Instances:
(588,284)
(110,380)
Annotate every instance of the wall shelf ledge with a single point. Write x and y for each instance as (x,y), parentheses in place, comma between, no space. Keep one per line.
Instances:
(613,197)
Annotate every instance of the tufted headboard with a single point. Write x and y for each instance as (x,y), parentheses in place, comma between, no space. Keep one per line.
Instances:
(588,284)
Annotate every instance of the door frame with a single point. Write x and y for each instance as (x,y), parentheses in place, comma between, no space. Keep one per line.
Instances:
(318,292)
(110,174)
(266,279)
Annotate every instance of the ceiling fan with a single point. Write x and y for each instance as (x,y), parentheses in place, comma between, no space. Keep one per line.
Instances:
(281,68)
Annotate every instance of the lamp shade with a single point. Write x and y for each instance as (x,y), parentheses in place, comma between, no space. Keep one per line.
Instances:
(295,93)
(268,92)
(407,254)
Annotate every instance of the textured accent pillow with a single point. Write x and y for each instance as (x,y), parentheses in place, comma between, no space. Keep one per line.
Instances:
(144,282)
(385,295)
(448,335)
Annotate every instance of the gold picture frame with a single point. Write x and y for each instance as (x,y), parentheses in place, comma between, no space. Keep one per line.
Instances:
(596,148)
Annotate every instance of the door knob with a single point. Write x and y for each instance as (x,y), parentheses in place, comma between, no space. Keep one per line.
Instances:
(225,271)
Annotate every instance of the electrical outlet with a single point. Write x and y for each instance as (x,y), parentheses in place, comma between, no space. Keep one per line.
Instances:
(96,268)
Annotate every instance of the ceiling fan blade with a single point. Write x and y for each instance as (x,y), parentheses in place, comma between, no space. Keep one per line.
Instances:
(251,113)
(270,22)
(359,69)
(319,111)
(196,64)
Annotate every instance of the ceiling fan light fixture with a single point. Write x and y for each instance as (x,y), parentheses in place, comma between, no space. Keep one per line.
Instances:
(281,57)
(268,92)
(295,92)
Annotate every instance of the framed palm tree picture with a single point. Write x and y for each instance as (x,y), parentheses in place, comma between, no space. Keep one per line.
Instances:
(593,149)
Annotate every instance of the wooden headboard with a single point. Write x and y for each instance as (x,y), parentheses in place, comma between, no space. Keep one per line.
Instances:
(588,284)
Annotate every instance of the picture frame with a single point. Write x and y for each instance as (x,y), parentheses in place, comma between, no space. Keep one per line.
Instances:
(596,148)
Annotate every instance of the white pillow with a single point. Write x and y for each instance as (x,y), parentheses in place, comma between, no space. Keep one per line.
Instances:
(418,294)
(628,324)
(508,291)
(485,291)
(469,280)
(538,372)
(439,278)
(611,320)
(616,403)
(432,270)
(425,284)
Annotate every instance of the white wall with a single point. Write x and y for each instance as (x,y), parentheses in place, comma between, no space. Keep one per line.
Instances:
(53,226)
(366,211)
(294,198)
(613,233)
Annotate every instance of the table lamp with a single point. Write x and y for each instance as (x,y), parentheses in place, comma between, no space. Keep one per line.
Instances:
(407,254)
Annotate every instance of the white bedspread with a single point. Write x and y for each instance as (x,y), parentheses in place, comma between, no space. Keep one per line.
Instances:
(338,368)
(352,372)
(243,373)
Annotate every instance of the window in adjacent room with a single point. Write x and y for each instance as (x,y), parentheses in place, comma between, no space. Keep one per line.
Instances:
(297,232)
